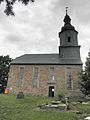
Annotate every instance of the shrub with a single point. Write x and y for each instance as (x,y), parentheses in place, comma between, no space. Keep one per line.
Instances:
(63,100)
(60,95)
(78,99)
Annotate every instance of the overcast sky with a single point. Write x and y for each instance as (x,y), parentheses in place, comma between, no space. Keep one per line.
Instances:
(35,27)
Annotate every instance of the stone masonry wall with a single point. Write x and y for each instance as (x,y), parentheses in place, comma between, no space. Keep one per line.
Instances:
(59,82)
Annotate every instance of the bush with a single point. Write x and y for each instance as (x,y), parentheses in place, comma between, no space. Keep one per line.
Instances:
(63,100)
(78,99)
(60,95)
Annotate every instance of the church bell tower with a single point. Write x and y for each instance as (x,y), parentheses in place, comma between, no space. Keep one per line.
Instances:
(69,47)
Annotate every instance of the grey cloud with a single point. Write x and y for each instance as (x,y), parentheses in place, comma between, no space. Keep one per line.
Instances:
(15,39)
(36,28)
(78,8)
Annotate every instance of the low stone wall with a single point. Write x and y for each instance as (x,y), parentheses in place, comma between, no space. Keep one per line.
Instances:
(53,107)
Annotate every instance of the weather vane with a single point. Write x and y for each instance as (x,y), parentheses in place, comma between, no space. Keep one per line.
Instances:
(66,10)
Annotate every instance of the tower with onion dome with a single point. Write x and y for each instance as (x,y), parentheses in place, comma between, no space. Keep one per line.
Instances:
(69,48)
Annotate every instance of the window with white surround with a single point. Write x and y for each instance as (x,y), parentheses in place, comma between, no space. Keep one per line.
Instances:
(68,77)
(35,82)
(20,76)
(51,74)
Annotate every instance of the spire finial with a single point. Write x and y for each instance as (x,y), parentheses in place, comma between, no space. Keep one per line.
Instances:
(67,19)
(66,10)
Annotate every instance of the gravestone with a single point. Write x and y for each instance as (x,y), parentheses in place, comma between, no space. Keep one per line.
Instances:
(20,95)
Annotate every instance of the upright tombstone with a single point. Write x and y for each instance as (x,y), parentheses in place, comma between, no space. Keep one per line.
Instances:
(20,95)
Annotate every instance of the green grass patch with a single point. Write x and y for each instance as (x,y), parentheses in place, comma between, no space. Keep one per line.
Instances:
(12,108)
(85,109)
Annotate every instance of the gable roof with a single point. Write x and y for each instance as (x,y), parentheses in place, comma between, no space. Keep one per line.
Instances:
(45,59)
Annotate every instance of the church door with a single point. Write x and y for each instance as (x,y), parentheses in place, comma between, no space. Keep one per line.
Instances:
(51,91)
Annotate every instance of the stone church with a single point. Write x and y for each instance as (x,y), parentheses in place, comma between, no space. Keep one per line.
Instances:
(46,74)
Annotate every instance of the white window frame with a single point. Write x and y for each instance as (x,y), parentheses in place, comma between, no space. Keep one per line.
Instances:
(21,70)
(35,77)
(68,78)
(52,77)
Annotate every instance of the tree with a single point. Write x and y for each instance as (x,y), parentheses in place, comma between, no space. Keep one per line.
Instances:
(85,77)
(10,3)
(4,69)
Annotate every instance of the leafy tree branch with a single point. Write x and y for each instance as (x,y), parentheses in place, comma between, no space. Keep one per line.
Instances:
(10,3)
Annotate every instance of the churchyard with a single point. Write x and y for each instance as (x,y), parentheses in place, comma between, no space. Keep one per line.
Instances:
(28,108)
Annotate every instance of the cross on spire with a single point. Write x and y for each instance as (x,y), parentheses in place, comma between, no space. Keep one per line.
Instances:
(67,19)
(66,10)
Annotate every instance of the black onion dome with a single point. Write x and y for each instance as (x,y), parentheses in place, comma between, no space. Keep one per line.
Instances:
(67,24)
(67,19)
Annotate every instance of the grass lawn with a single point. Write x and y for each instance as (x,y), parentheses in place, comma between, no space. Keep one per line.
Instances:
(84,109)
(15,109)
